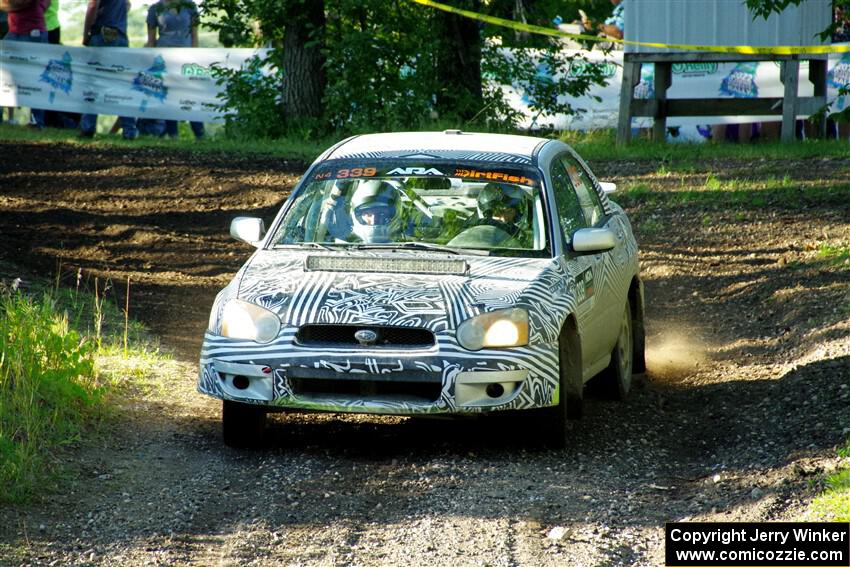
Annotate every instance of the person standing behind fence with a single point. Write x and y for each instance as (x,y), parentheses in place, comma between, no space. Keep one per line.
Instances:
(26,23)
(614,26)
(174,23)
(106,26)
(4,29)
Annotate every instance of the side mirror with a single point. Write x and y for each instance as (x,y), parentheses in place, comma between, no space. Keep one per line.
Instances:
(594,240)
(608,187)
(248,229)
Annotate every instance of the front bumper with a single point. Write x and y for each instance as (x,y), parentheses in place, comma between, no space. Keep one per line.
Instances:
(442,379)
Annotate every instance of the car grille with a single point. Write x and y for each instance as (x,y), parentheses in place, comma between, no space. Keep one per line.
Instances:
(413,387)
(343,335)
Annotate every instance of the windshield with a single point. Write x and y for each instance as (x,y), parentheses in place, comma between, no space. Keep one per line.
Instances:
(433,205)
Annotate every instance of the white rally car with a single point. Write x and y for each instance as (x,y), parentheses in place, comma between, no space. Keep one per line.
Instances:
(430,273)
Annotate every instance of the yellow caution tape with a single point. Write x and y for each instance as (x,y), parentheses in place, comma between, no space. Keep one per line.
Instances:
(744,49)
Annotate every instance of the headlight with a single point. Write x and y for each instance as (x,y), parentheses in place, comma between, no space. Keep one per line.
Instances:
(243,320)
(503,328)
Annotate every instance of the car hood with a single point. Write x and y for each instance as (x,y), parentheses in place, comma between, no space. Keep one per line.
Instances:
(392,288)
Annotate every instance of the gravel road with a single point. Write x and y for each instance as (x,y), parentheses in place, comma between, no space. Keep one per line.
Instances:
(737,419)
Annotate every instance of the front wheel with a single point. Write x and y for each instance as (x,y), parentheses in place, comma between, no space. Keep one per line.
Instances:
(570,388)
(242,425)
(617,378)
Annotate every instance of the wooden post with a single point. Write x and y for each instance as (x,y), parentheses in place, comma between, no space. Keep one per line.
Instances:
(790,80)
(663,77)
(817,76)
(631,75)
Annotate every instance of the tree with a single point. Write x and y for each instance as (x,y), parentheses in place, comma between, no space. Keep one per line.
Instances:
(303,60)
(459,62)
(369,65)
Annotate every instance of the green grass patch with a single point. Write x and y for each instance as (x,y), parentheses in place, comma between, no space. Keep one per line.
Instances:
(296,149)
(593,145)
(48,389)
(601,145)
(65,353)
(835,254)
(834,503)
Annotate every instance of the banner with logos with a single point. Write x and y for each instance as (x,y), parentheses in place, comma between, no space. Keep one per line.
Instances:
(689,80)
(176,84)
(163,83)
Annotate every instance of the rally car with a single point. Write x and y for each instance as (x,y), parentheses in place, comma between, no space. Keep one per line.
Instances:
(429,273)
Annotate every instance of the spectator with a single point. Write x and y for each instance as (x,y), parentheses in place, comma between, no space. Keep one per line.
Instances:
(55,118)
(106,26)
(4,29)
(174,23)
(51,22)
(614,26)
(27,24)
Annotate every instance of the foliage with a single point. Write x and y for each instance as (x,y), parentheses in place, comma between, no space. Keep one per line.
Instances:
(48,388)
(381,67)
(250,100)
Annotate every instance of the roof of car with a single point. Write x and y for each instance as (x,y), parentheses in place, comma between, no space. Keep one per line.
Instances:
(452,144)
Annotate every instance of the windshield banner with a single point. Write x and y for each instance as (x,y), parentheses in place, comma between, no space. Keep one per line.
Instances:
(163,83)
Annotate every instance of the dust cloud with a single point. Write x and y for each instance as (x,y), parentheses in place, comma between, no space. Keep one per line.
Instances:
(674,353)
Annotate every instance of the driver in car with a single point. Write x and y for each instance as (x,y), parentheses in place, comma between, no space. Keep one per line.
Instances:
(375,211)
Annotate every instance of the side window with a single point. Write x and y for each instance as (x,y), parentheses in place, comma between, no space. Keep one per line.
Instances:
(587,196)
(569,209)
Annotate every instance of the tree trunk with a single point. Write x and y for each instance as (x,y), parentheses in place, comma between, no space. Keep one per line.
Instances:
(303,62)
(459,62)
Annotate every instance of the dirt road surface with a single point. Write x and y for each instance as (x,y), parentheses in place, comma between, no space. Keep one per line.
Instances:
(745,399)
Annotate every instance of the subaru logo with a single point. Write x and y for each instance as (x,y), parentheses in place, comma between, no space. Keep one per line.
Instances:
(366,337)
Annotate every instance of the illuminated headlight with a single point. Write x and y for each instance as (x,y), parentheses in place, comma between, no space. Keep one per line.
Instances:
(243,320)
(503,328)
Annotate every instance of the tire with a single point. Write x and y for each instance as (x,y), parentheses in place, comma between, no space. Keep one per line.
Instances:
(617,378)
(571,388)
(242,425)
(638,331)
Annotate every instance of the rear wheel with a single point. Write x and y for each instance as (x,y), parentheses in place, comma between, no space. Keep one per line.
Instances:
(570,391)
(617,378)
(242,425)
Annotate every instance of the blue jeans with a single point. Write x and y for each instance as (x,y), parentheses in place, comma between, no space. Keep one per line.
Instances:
(88,122)
(37,115)
(171,128)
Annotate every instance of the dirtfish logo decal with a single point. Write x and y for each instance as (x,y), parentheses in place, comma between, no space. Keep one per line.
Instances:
(194,70)
(694,68)
(151,84)
(414,171)
(741,82)
(58,74)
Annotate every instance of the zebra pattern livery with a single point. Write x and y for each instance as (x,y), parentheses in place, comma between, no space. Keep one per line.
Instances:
(278,281)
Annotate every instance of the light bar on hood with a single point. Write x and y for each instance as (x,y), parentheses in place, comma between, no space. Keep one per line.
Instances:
(378,264)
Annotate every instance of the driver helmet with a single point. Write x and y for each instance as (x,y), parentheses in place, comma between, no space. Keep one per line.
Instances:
(497,200)
(374,207)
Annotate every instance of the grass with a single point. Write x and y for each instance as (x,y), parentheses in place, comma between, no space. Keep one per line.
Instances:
(595,145)
(601,145)
(63,359)
(292,149)
(833,504)
(835,254)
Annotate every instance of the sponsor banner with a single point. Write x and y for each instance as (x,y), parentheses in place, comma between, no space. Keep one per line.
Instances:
(163,83)
(689,80)
(757,544)
(175,83)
